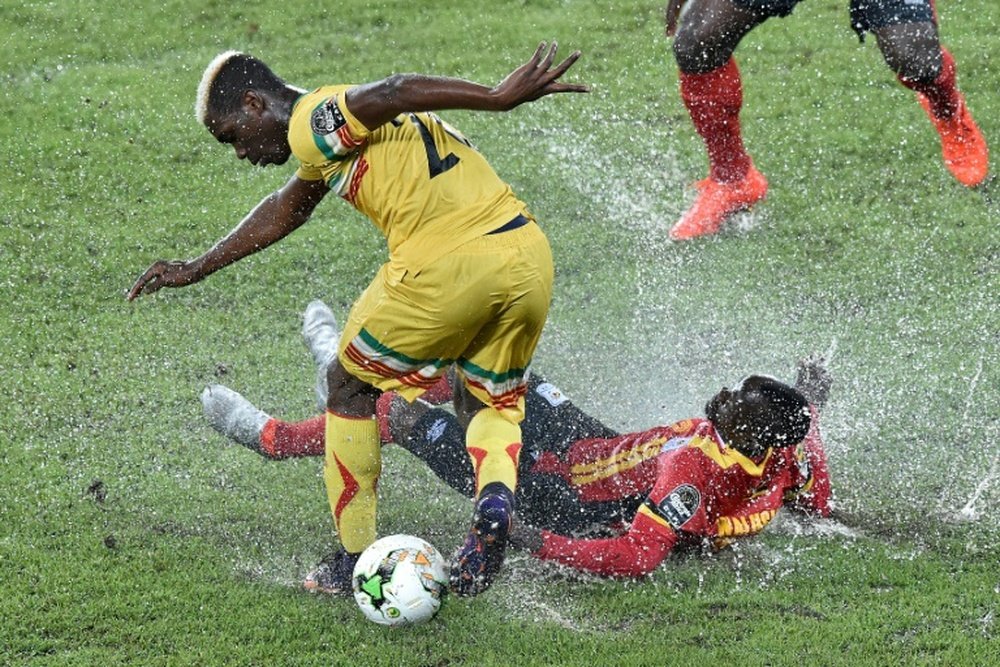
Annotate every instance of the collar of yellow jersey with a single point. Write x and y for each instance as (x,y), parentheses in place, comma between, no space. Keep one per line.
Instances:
(726,457)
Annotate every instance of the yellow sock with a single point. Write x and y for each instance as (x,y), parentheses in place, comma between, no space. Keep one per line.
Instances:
(352,466)
(494,444)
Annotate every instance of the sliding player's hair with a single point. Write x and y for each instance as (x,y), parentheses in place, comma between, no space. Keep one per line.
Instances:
(226,78)
(786,419)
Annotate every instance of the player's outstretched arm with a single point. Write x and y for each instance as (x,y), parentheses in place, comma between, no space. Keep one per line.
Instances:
(274,218)
(380,101)
(634,554)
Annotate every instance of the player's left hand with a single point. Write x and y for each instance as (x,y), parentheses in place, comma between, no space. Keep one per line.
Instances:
(537,78)
(162,273)
(524,537)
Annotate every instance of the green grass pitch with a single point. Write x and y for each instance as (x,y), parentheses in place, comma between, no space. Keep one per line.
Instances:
(131,534)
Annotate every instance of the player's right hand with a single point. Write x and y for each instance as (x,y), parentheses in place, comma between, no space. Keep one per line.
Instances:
(162,273)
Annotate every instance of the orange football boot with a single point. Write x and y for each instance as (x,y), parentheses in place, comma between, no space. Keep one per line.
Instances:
(962,144)
(716,201)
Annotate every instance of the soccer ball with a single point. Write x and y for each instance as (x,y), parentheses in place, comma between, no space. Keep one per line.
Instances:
(399,580)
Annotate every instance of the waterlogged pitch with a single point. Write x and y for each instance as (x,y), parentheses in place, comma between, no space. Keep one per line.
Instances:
(132,533)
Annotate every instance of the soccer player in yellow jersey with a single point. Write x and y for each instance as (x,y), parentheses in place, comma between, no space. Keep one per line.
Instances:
(468,281)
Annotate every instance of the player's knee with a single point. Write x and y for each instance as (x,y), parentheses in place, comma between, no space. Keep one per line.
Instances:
(699,50)
(912,51)
(348,395)
(693,54)
(914,64)
(922,68)
(466,404)
(403,416)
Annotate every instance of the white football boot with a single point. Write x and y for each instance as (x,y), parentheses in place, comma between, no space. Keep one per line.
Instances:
(234,416)
(319,328)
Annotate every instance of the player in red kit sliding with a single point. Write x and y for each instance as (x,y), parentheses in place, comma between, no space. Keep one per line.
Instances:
(579,477)
(714,478)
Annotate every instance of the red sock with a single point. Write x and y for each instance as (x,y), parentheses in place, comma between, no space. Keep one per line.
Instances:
(382,406)
(942,92)
(713,100)
(439,393)
(281,439)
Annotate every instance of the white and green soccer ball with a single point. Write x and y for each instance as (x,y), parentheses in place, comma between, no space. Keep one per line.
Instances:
(399,580)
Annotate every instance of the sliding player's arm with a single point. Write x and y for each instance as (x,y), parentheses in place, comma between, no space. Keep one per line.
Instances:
(636,553)
(674,506)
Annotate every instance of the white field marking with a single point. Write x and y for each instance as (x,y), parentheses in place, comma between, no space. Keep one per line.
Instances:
(968,512)
(972,390)
(831,350)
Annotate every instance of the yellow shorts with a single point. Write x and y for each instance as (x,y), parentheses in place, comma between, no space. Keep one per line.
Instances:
(481,307)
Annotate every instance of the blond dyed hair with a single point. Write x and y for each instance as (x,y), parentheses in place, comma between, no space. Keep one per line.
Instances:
(226,78)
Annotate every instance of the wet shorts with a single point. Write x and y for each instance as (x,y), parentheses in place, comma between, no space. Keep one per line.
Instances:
(866,15)
(480,307)
(767,8)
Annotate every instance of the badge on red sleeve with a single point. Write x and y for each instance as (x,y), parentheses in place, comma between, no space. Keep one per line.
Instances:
(678,506)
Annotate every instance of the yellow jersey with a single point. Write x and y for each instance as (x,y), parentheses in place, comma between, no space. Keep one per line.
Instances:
(417,178)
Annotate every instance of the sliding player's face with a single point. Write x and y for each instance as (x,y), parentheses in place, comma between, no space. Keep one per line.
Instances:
(735,411)
(720,406)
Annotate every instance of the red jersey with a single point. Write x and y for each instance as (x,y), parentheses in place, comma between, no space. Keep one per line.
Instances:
(696,487)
